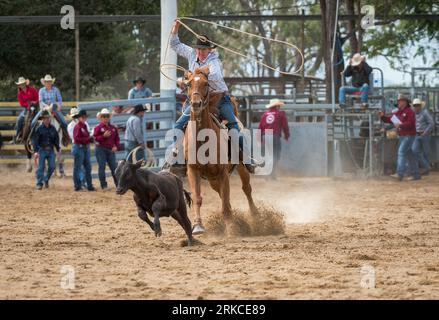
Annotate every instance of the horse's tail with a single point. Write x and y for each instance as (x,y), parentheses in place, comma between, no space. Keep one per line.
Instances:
(187,195)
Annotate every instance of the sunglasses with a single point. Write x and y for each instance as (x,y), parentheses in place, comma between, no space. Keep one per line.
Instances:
(105,116)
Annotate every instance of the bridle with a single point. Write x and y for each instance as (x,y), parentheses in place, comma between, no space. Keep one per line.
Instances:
(204,98)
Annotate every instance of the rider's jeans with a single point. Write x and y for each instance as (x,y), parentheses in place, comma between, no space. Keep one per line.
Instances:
(20,121)
(60,116)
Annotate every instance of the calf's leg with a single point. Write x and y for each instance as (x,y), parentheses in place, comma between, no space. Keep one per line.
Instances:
(143,215)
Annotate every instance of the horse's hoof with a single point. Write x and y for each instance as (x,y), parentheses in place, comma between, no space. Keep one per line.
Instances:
(198,229)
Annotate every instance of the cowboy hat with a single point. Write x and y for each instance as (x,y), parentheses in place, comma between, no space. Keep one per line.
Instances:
(73,112)
(103,112)
(22,80)
(203,42)
(47,77)
(139,79)
(418,102)
(273,103)
(357,59)
(404,97)
(44,114)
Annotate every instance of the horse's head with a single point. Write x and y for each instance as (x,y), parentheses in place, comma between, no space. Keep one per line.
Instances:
(198,88)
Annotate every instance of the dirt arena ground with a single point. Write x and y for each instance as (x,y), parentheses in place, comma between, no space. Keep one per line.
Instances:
(340,235)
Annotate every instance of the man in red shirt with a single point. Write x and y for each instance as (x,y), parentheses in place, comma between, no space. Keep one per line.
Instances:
(274,119)
(107,142)
(81,152)
(404,120)
(27,96)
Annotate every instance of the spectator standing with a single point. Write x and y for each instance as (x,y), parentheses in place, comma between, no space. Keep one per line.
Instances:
(424,127)
(134,132)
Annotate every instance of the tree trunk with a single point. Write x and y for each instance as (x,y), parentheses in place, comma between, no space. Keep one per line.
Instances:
(328,10)
(353,42)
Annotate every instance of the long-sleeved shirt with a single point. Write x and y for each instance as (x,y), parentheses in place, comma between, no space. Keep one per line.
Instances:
(106,142)
(408,121)
(134,130)
(276,120)
(26,96)
(81,134)
(72,125)
(359,76)
(46,138)
(424,122)
(141,93)
(49,96)
(216,78)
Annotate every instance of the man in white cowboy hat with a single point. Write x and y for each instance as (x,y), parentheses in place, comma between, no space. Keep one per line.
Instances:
(201,54)
(27,96)
(134,132)
(107,142)
(50,95)
(424,127)
(275,120)
(359,70)
(405,122)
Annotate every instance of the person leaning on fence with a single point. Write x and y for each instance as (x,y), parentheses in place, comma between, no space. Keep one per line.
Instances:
(44,140)
(139,91)
(276,120)
(107,142)
(359,70)
(27,96)
(134,132)
(405,123)
(424,127)
(50,95)
(81,152)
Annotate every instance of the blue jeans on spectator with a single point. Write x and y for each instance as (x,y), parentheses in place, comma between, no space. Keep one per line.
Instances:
(421,149)
(20,122)
(348,89)
(131,145)
(406,156)
(81,166)
(44,155)
(105,156)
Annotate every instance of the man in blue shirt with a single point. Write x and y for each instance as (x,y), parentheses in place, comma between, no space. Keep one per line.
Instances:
(134,132)
(44,140)
(50,95)
(139,91)
(424,128)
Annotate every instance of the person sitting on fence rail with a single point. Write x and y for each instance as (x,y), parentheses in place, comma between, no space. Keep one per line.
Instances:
(81,152)
(48,95)
(27,96)
(199,56)
(134,132)
(107,142)
(276,120)
(45,139)
(139,91)
(359,70)
(405,122)
(424,127)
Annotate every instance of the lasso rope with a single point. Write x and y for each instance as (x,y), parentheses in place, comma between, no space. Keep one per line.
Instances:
(248,57)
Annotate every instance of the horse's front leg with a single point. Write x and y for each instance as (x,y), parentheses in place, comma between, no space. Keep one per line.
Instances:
(194,180)
(225,202)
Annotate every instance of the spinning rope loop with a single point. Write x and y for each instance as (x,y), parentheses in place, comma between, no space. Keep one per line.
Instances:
(257,60)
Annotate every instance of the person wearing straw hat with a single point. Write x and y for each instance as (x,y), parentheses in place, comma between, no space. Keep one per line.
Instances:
(107,142)
(44,140)
(139,91)
(50,95)
(404,121)
(424,127)
(134,132)
(276,121)
(27,96)
(200,55)
(360,71)
(81,152)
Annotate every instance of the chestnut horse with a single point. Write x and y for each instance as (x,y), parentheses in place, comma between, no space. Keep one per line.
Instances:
(204,102)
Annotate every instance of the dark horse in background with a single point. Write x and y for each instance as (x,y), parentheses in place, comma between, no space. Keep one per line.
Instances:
(24,136)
